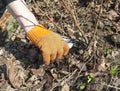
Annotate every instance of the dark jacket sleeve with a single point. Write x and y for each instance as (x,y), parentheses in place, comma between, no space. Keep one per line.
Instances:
(6,2)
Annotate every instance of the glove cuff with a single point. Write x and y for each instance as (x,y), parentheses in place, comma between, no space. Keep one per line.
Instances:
(36,33)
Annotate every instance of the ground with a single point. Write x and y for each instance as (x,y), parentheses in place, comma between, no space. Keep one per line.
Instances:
(92,64)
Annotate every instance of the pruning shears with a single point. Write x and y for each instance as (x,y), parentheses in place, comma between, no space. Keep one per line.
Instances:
(74,43)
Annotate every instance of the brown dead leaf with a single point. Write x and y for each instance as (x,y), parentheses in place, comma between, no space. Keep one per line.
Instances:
(2,80)
(39,86)
(112,14)
(38,72)
(64,72)
(32,78)
(54,73)
(102,65)
(65,87)
(16,73)
(49,80)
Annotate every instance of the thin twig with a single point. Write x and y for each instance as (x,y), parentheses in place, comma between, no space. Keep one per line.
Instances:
(72,13)
(113,87)
(64,80)
(97,22)
(96,26)
(100,12)
(75,13)
(83,67)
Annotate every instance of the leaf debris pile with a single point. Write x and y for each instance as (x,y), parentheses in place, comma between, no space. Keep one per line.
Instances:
(95,66)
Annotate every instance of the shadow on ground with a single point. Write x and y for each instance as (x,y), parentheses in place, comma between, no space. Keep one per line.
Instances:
(27,53)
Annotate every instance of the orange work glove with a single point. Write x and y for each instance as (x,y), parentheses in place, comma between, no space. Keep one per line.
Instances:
(50,43)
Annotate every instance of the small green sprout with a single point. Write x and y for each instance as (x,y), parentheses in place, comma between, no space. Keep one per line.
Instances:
(115,69)
(82,86)
(106,52)
(89,78)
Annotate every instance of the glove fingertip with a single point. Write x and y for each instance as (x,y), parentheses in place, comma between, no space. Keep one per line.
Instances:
(46,59)
(66,49)
(47,63)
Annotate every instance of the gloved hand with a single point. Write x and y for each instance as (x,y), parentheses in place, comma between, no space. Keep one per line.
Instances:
(50,43)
